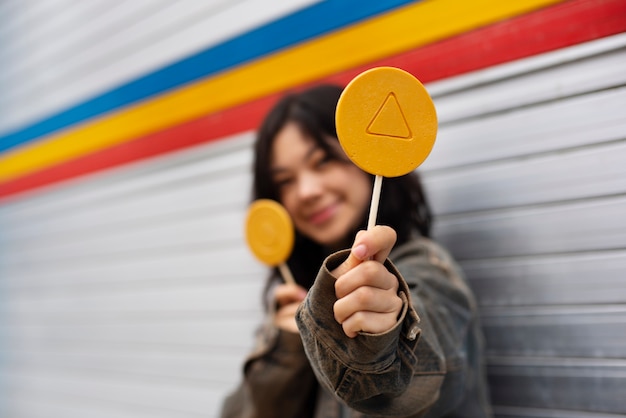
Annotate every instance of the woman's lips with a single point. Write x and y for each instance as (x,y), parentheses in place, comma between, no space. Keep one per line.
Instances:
(321,216)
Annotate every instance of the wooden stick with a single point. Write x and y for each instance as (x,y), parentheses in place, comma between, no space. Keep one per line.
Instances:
(286,273)
(378,183)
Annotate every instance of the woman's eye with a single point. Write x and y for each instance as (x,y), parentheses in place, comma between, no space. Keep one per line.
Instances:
(282,183)
(323,161)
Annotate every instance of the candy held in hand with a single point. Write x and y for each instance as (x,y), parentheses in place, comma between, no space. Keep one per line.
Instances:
(386,122)
(269,232)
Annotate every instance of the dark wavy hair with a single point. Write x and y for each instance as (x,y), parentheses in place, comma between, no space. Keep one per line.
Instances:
(403,204)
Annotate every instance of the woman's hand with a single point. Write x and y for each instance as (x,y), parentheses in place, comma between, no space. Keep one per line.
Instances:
(367,292)
(288,297)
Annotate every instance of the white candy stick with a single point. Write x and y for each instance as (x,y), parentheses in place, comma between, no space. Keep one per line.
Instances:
(286,273)
(378,182)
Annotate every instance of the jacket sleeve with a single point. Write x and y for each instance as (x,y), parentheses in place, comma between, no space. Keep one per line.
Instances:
(278,381)
(415,369)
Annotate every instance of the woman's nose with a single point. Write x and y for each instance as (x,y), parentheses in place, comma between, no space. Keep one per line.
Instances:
(309,186)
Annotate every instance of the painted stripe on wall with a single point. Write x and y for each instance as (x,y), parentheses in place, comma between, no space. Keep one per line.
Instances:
(309,61)
(557,27)
(298,27)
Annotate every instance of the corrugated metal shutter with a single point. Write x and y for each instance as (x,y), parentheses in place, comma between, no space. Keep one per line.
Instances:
(132,293)
(528,181)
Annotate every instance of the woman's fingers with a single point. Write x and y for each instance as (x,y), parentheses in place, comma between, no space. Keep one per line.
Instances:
(367,293)
(288,298)
(368,273)
(370,322)
(373,244)
(377,242)
(285,317)
(288,293)
(367,299)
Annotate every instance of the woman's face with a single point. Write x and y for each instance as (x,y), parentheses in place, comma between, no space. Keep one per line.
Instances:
(326,198)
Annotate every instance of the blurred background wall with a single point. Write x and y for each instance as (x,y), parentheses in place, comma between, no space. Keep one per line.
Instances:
(126,289)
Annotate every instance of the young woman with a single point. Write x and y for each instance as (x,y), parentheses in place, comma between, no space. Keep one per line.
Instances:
(381,322)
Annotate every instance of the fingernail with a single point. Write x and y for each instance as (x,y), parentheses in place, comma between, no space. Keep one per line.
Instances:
(359,251)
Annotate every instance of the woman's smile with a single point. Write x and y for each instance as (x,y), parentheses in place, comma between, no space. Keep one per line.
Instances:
(323,215)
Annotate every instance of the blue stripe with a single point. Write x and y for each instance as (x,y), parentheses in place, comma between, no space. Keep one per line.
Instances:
(302,25)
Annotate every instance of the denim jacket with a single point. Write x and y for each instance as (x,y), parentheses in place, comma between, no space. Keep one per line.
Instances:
(428,365)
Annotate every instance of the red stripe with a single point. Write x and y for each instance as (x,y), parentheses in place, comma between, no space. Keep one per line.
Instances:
(552,28)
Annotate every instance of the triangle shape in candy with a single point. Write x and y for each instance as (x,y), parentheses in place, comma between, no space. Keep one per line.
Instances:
(389,120)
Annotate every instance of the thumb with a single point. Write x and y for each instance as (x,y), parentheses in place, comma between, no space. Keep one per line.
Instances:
(356,257)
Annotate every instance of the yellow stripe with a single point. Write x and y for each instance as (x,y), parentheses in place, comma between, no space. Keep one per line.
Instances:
(400,30)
